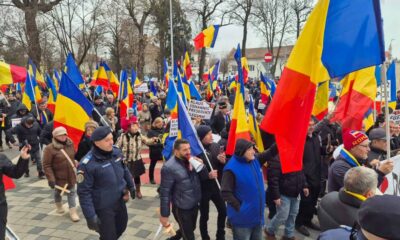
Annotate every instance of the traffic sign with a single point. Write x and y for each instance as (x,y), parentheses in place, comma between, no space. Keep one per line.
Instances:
(268,57)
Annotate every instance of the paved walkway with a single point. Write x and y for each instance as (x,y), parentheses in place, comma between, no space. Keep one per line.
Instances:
(32,213)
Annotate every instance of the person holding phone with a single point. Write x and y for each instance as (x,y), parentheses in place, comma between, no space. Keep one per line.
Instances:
(13,171)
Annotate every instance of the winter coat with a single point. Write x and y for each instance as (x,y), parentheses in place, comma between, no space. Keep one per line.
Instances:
(13,171)
(130,145)
(288,184)
(46,135)
(338,208)
(12,109)
(144,117)
(212,151)
(157,147)
(23,133)
(155,111)
(83,148)
(312,160)
(375,153)
(42,122)
(56,166)
(101,109)
(125,122)
(219,122)
(18,112)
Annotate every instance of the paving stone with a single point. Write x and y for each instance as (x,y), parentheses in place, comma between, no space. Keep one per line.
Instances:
(36,230)
(42,237)
(135,224)
(39,216)
(142,233)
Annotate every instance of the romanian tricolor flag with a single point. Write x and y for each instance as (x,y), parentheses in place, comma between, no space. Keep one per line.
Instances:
(172,105)
(187,67)
(51,102)
(207,37)
(56,79)
(246,70)
(134,79)
(328,47)
(253,126)
(125,95)
(10,74)
(72,70)
(391,77)
(215,70)
(31,92)
(18,87)
(153,89)
(35,74)
(74,111)
(239,126)
(113,80)
(358,95)
(210,88)
(194,93)
(265,93)
(166,74)
(232,83)
(101,78)
(320,108)
(182,90)
(333,92)
(368,120)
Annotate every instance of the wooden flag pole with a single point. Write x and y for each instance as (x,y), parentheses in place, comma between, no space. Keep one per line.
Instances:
(384,82)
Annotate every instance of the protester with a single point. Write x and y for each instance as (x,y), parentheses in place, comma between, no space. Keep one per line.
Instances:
(209,189)
(378,219)
(59,167)
(377,145)
(242,188)
(46,133)
(354,153)
(7,168)
(41,113)
(155,108)
(180,187)
(110,120)
(221,119)
(99,108)
(3,120)
(126,120)
(103,180)
(85,143)
(340,208)
(28,132)
(145,118)
(155,145)
(130,143)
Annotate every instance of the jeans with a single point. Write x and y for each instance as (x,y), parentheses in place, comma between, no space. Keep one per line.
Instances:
(35,156)
(71,196)
(254,233)
(285,213)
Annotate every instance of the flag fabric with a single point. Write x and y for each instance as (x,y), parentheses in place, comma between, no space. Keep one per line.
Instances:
(35,74)
(391,77)
(181,88)
(134,79)
(51,102)
(207,37)
(172,105)
(320,108)
(245,67)
(194,93)
(10,74)
(72,70)
(8,183)
(153,89)
(187,67)
(98,91)
(328,47)
(253,126)
(368,120)
(239,127)
(333,92)
(73,103)
(210,88)
(113,80)
(232,83)
(378,75)
(265,93)
(166,73)
(101,77)
(125,95)
(271,85)
(18,87)
(29,93)
(56,79)
(358,95)
(215,70)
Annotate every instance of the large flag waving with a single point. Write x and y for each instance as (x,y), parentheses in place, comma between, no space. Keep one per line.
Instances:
(166,74)
(253,125)
(51,102)
(72,70)
(207,37)
(73,110)
(239,126)
(125,95)
(328,47)
(358,95)
(187,67)
(11,73)
(320,108)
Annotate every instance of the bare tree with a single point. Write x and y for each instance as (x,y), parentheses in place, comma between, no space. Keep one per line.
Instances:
(139,11)
(241,13)
(274,21)
(31,8)
(206,11)
(301,9)
(75,23)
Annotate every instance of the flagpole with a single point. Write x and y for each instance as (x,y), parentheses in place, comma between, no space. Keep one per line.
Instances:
(172,39)
(384,80)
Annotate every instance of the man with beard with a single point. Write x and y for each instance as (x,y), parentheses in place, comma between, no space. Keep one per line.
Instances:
(180,185)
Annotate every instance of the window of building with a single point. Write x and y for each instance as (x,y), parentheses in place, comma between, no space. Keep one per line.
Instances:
(251,68)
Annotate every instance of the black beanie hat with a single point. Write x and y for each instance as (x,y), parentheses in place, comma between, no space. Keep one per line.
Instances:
(202,131)
(100,133)
(242,146)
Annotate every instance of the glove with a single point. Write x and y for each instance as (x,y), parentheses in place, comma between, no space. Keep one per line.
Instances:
(93,223)
(52,184)
(132,191)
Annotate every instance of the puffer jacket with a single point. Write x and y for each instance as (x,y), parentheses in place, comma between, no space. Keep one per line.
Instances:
(23,133)
(56,166)
(179,185)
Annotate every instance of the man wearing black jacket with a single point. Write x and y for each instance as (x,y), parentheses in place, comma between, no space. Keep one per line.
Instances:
(209,187)
(13,171)
(221,118)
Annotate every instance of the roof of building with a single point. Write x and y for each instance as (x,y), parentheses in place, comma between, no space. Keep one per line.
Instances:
(258,53)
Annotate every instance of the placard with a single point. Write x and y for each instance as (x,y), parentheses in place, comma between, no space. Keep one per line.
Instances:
(142,88)
(199,109)
(173,128)
(15,122)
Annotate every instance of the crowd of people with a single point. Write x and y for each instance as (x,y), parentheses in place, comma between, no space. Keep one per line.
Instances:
(342,171)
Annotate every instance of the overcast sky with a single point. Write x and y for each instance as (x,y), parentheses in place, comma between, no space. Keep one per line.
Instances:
(230,36)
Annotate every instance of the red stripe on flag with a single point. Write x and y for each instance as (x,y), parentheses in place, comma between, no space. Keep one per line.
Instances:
(288,117)
(322,114)
(8,183)
(234,136)
(74,134)
(199,41)
(18,73)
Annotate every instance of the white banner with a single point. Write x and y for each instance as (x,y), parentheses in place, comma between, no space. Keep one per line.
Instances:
(15,122)
(173,128)
(395,117)
(393,178)
(380,94)
(199,109)
(142,88)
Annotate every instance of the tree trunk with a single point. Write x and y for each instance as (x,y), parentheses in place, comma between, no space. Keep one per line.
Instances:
(202,64)
(34,50)
(141,60)
(244,38)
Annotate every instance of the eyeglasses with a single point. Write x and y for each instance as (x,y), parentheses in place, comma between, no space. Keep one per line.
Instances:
(365,146)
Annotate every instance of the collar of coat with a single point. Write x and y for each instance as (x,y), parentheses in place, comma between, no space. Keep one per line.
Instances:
(349,199)
(58,145)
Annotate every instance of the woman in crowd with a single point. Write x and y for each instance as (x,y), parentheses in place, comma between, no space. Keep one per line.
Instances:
(85,144)
(145,118)
(155,144)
